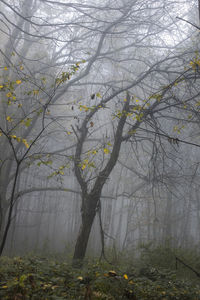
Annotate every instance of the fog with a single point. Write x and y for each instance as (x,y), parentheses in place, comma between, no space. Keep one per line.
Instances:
(99,126)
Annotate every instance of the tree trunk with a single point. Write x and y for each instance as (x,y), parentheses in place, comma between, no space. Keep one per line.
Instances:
(10,211)
(88,215)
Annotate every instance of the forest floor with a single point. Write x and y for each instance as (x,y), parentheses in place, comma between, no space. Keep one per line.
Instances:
(41,278)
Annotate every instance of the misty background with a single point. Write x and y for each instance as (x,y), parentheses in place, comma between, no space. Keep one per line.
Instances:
(67,71)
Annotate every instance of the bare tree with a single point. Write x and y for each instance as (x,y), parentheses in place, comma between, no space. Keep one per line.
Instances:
(76,61)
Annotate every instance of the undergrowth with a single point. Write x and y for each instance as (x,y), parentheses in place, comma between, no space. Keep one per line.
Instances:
(46,278)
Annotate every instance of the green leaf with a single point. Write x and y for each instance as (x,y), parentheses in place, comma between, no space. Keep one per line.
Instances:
(98,95)
(28,122)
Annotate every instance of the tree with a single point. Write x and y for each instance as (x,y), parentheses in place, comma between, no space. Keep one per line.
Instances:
(89,60)
(91,199)
(26,95)
(163,101)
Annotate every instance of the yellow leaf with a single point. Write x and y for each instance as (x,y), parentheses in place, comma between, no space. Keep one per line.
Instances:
(98,95)
(132,131)
(80,278)
(9,94)
(5,68)
(26,145)
(112,273)
(131,282)
(18,81)
(9,119)
(54,287)
(21,68)
(125,276)
(83,166)
(24,141)
(1,86)
(106,150)
(69,132)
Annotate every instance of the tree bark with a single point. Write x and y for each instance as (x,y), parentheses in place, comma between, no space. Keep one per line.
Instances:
(88,215)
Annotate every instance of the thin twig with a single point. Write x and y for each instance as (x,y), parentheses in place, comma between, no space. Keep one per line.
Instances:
(187,266)
(194,25)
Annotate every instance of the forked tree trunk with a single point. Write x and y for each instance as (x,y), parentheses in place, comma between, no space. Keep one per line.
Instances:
(90,201)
